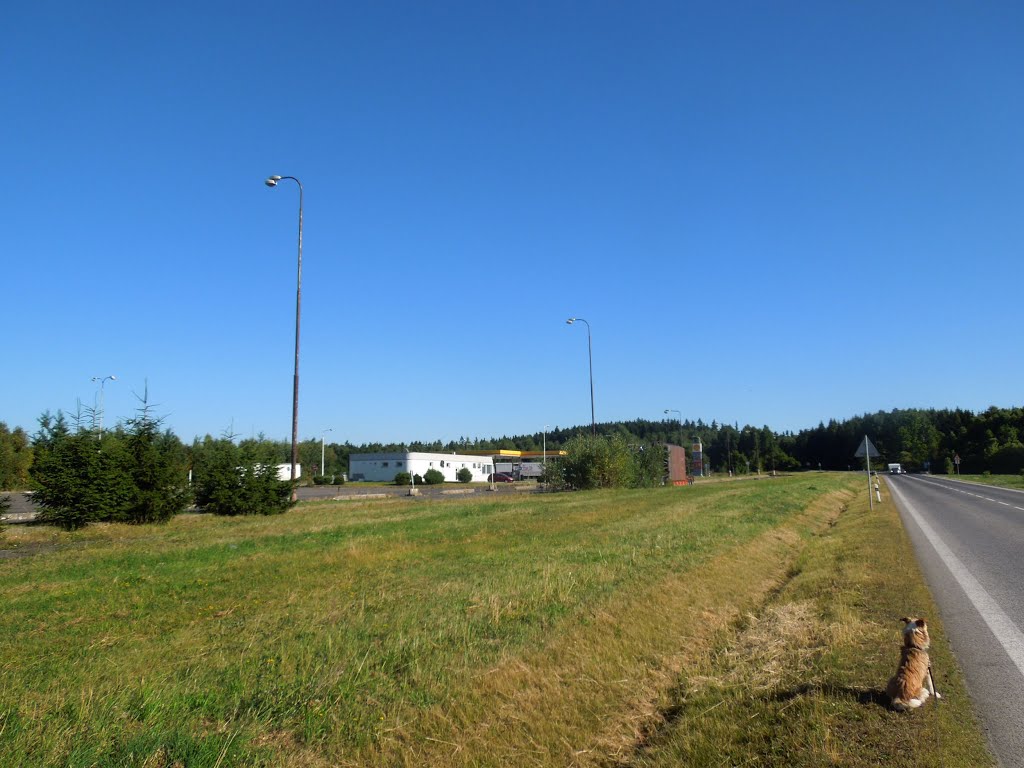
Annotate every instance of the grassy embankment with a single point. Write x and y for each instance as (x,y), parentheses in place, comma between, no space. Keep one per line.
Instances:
(747,623)
(1003,481)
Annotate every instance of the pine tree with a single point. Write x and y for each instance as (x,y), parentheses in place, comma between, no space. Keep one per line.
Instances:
(233,480)
(157,465)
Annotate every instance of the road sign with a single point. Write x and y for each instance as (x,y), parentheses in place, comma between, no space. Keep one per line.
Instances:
(867,448)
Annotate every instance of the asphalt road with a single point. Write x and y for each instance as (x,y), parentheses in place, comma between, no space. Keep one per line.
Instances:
(969,540)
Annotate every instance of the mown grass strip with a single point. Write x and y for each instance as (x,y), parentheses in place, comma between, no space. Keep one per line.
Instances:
(548,630)
(801,681)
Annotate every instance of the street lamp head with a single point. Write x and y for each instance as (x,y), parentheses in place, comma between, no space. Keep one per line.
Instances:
(113,377)
(272,181)
(570,321)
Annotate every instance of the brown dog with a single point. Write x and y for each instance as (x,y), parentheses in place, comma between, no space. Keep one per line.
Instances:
(909,687)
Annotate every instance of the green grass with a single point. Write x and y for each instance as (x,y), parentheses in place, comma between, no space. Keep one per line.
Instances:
(542,630)
(801,681)
(1003,481)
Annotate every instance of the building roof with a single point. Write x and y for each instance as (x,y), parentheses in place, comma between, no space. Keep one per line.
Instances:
(513,454)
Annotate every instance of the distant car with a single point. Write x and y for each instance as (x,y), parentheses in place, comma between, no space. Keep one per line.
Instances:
(500,477)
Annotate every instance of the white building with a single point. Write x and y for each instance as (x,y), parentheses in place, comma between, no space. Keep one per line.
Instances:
(382,467)
(284,471)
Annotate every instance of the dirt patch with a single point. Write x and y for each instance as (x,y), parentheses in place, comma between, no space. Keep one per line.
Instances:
(28,550)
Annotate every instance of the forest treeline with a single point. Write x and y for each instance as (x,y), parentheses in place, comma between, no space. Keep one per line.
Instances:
(920,439)
(989,441)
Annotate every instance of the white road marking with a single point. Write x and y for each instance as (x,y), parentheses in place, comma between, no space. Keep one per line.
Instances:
(1001,625)
(951,489)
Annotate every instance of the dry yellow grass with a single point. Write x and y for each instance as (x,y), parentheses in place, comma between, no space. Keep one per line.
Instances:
(606,680)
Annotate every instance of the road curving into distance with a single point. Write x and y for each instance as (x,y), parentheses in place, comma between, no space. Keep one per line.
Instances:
(969,541)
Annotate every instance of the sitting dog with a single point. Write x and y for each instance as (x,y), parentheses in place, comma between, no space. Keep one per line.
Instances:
(909,687)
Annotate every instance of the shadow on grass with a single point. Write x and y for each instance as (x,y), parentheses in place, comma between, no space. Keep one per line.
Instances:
(864,696)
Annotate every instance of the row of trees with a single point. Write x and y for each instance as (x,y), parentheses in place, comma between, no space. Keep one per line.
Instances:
(15,457)
(138,473)
(989,441)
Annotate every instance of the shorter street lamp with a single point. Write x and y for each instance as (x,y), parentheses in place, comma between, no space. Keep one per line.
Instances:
(102,380)
(324,432)
(590,358)
(680,414)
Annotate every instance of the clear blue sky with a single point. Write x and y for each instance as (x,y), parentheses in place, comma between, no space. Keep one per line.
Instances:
(770,213)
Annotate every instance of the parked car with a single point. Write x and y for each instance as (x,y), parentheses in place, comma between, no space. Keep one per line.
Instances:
(500,477)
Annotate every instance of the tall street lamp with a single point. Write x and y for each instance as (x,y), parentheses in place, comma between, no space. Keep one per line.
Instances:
(272,182)
(544,449)
(102,380)
(590,357)
(324,432)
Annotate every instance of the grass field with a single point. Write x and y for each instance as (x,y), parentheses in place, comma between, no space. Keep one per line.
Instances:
(744,623)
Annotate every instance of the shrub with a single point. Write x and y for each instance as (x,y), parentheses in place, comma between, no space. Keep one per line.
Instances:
(79,475)
(648,466)
(157,465)
(552,476)
(605,462)
(132,474)
(433,477)
(328,480)
(464,475)
(596,462)
(230,480)
(403,478)
(417,480)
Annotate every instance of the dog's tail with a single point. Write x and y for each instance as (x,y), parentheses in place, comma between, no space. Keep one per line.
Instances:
(902,705)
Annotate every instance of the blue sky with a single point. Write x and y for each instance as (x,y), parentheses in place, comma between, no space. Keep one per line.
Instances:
(770,213)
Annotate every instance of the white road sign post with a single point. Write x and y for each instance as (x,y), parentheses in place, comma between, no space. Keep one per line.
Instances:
(868,451)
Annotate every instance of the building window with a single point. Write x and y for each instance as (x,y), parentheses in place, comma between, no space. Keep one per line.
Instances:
(384,464)
(398,463)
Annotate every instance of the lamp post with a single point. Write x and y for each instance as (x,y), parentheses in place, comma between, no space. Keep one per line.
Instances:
(272,182)
(324,432)
(544,448)
(680,414)
(102,380)
(590,358)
